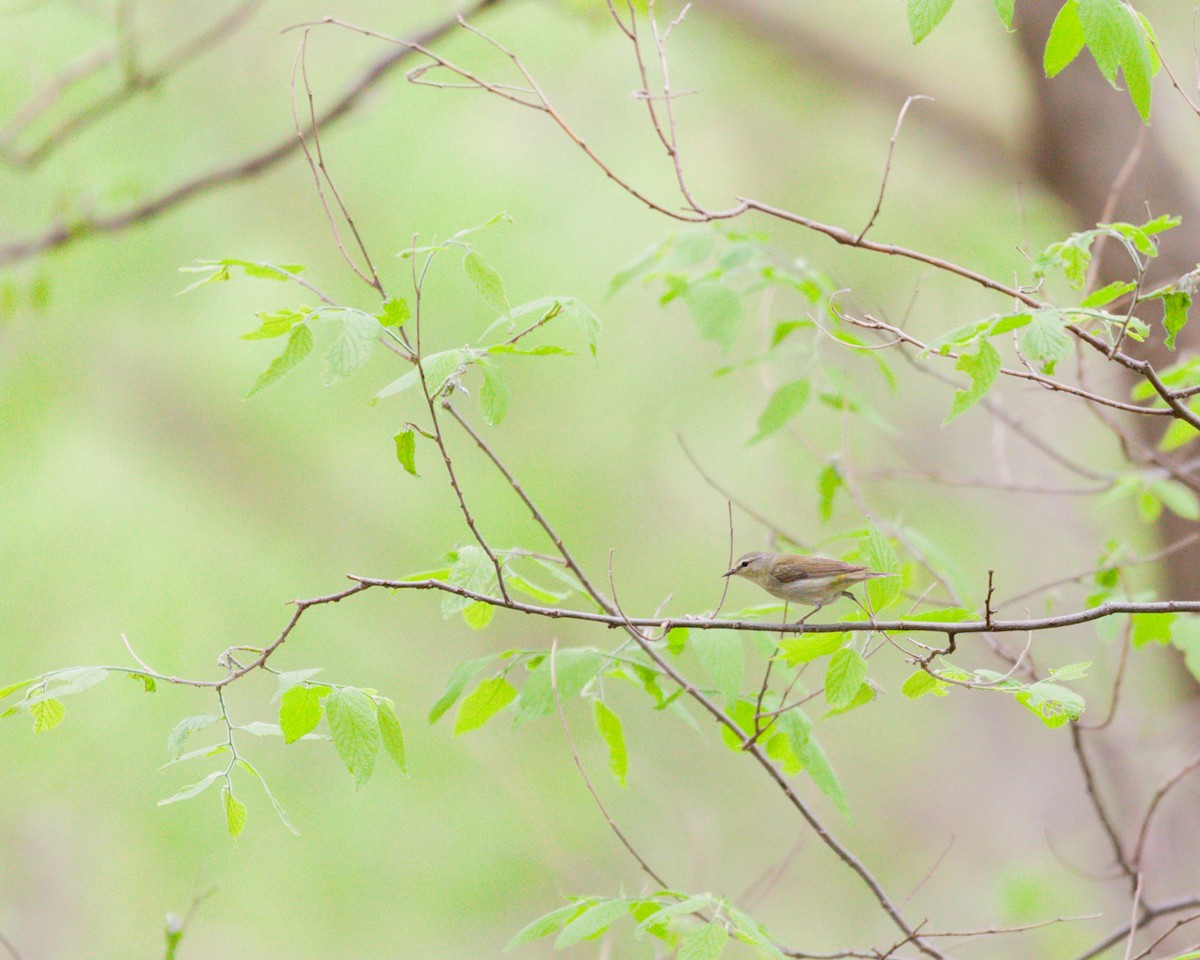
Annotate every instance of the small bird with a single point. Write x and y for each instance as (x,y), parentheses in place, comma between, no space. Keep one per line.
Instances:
(815,581)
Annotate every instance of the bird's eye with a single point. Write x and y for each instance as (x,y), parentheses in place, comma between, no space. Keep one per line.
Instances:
(745,563)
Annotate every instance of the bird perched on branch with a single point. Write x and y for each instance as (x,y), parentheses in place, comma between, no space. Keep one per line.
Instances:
(815,581)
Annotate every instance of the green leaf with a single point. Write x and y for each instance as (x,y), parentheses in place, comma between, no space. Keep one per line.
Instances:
(291,678)
(1072,671)
(720,654)
(1046,340)
(573,670)
(1152,628)
(275,804)
(485,280)
(1102,23)
(299,712)
(278,323)
(1005,10)
(1056,705)
(1178,499)
(1175,314)
(494,394)
(1185,637)
(1107,294)
(608,725)
(806,647)
(299,346)
(924,15)
(592,922)
(394,313)
(47,714)
(478,615)
(817,765)
(548,924)
(19,685)
(982,368)
(486,700)
(784,404)
(353,346)
(715,310)
(183,729)
(351,717)
(459,678)
(703,943)
(391,734)
(920,683)
(545,350)
(877,553)
(235,812)
(843,676)
(472,570)
(147,681)
(406,450)
(1065,40)
(864,695)
(194,789)
(676,640)
(827,485)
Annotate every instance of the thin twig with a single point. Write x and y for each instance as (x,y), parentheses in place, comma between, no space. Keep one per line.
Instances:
(562,717)
(1168,785)
(887,166)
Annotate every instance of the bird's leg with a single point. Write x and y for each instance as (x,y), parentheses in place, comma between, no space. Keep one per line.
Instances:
(870,615)
(815,608)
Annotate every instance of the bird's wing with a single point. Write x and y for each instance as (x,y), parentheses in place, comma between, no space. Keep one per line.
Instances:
(792,568)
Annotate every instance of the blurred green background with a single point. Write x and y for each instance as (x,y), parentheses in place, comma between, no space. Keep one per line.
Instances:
(140,495)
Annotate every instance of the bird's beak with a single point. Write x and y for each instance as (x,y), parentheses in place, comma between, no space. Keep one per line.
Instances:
(729,573)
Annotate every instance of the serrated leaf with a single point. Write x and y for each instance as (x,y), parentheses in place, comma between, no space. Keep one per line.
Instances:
(47,714)
(982,368)
(485,280)
(473,570)
(406,450)
(801,649)
(715,310)
(299,713)
(924,15)
(920,683)
(235,812)
(864,695)
(193,789)
(1107,294)
(1065,40)
(478,615)
(785,403)
(592,922)
(1175,314)
(391,734)
(1152,628)
(459,678)
(183,729)
(574,668)
(720,654)
(608,725)
(290,678)
(394,313)
(485,701)
(1072,671)
(299,346)
(517,582)
(1102,23)
(548,924)
(843,676)
(703,943)
(1056,705)
(351,717)
(353,346)
(877,553)
(494,394)
(817,765)
(277,324)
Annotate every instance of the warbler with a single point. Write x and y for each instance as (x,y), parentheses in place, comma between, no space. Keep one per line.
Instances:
(815,581)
